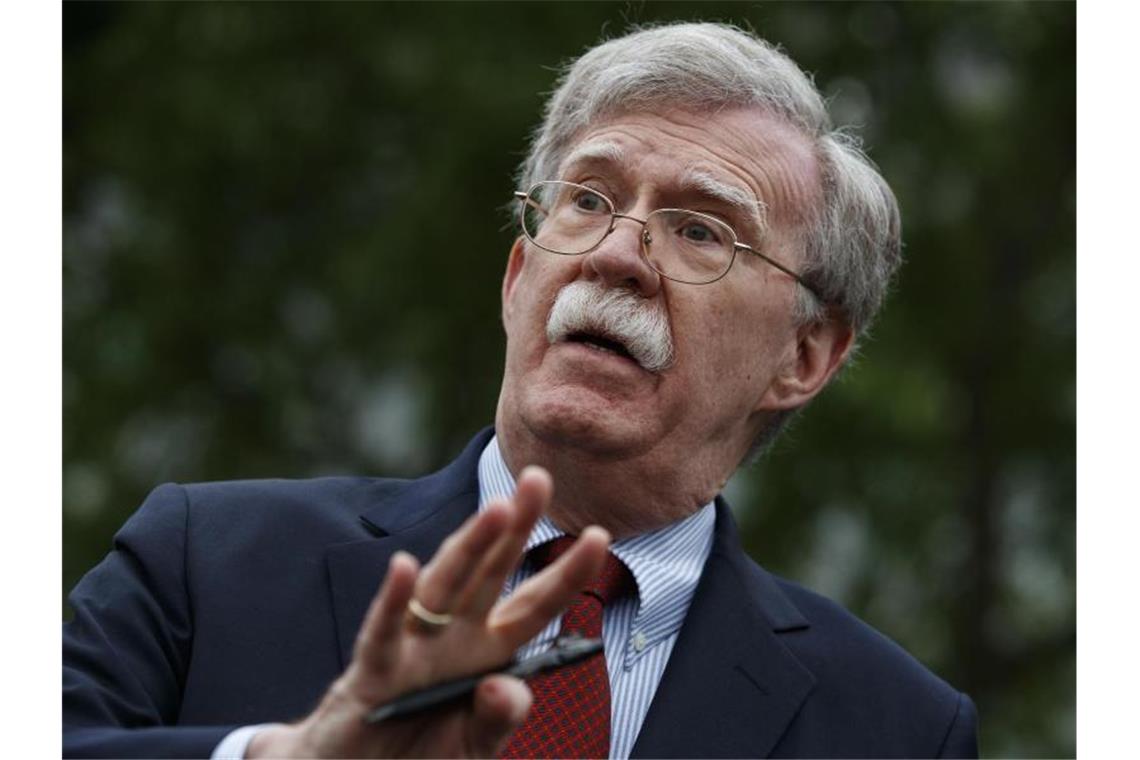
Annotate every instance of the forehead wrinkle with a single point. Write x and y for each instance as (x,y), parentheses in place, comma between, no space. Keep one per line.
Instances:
(751,207)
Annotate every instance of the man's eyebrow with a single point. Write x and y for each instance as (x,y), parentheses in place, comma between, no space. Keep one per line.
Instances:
(609,152)
(750,208)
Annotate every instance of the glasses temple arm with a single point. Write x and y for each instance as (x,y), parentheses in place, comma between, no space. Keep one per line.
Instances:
(811,289)
(525,198)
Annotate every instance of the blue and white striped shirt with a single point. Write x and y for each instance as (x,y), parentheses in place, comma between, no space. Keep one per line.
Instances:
(639,632)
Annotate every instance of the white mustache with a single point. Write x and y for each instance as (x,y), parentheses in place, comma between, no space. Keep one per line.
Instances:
(639,324)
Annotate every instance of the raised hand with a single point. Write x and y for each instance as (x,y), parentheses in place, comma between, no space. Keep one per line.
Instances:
(463,628)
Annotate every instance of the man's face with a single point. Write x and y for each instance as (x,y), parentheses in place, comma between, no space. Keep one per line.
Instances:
(733,339)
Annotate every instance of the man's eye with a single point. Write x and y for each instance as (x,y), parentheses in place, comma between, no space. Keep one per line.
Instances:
(697,232)
(587,201)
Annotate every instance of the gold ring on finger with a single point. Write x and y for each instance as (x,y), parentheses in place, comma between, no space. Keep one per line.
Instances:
(424,620)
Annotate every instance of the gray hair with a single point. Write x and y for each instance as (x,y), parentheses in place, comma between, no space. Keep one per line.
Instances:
(851,238)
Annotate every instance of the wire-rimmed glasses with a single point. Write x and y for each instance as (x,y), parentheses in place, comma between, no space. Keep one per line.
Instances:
(685,246)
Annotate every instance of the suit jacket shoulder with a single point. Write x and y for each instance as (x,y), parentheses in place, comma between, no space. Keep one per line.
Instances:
(767,668)
(868,684)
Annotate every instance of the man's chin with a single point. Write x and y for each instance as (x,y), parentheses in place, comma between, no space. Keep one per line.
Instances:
(582,418)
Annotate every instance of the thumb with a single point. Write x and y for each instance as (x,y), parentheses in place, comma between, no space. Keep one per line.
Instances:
(501,705)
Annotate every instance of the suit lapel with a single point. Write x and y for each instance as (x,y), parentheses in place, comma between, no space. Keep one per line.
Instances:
(413,516)
(731,687)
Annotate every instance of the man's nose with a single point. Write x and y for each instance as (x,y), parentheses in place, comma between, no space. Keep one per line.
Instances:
(619,262)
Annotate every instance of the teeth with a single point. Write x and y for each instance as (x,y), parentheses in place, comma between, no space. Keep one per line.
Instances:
(605,349)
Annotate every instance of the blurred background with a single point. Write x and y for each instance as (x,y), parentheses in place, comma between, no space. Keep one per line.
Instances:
(284,236)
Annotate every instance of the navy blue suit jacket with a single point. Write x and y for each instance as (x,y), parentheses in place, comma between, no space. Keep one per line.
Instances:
(226,604)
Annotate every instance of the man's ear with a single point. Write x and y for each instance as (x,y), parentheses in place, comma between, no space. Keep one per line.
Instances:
(821,349)
(510,278)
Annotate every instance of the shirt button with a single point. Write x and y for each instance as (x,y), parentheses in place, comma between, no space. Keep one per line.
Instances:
(638,641)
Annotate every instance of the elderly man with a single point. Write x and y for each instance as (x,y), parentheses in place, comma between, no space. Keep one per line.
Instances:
(697,255)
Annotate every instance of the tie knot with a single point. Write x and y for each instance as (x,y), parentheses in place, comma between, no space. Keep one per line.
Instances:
(613,582)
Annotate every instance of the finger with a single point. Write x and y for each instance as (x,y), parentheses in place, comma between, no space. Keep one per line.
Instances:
(543,596)
(532,496)
(501,706)
(376,641)
(451,568)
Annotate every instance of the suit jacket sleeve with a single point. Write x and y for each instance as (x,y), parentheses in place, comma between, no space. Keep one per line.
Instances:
(126,652)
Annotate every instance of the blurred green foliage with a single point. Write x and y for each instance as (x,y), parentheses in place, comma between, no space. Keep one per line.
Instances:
(284,233)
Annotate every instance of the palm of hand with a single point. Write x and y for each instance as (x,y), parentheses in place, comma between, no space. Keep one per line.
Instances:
(393,657)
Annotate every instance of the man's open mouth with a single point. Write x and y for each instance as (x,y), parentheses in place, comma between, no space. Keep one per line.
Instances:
(600,342)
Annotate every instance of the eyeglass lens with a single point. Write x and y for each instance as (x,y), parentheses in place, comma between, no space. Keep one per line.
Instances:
(571,219)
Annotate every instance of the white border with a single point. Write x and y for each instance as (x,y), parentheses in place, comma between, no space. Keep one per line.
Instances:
(30,344)
(1108,373)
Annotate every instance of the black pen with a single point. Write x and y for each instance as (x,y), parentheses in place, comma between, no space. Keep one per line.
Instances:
(567,650)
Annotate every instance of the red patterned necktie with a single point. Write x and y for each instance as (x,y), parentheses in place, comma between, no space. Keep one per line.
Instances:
(570,716)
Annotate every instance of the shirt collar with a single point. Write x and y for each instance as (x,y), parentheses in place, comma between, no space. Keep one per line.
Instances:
(666,563)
